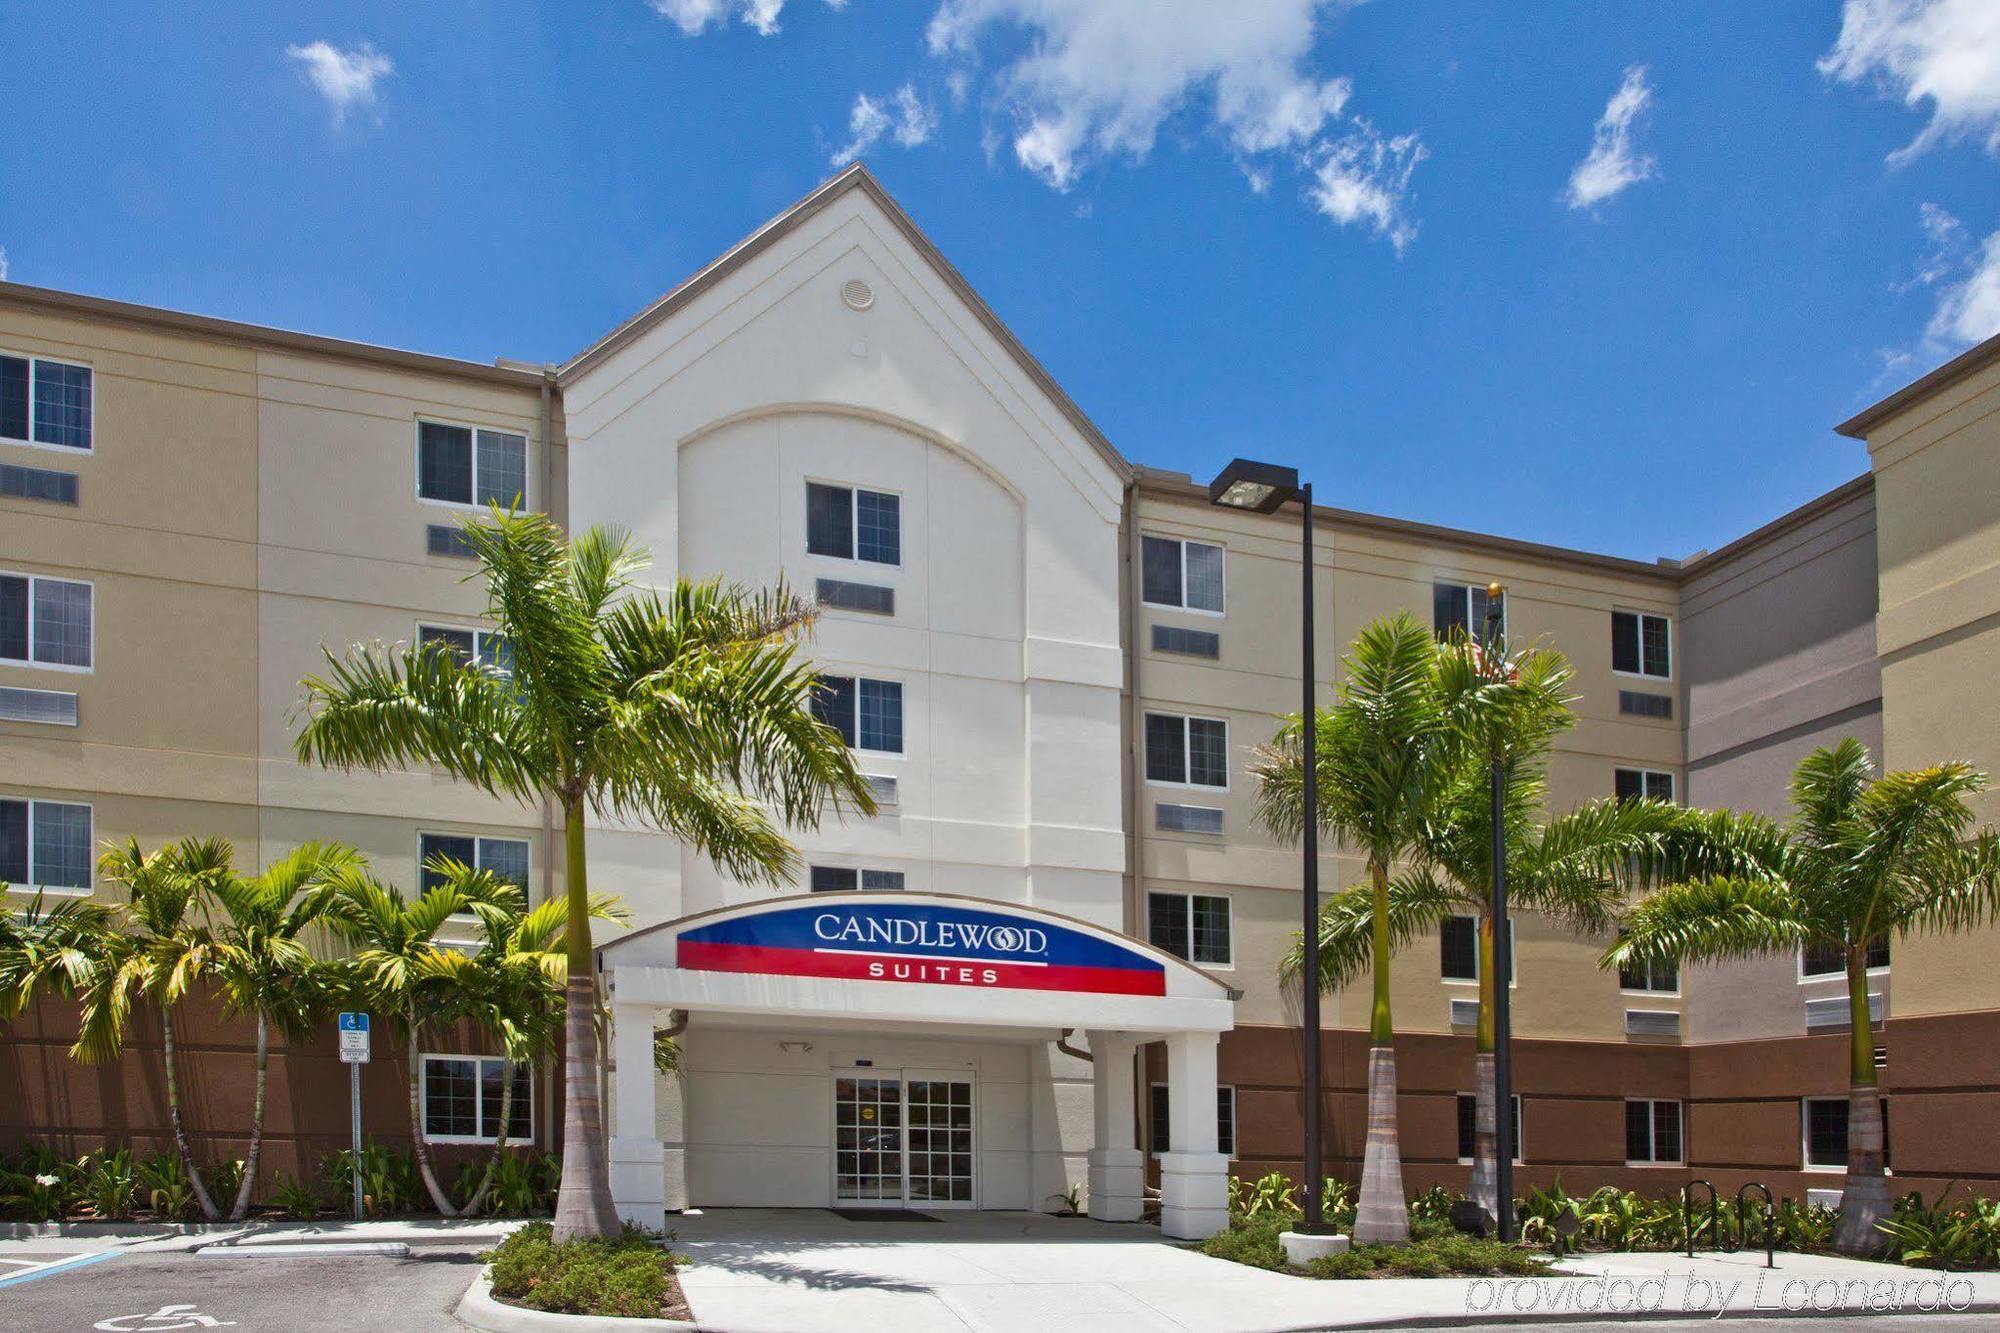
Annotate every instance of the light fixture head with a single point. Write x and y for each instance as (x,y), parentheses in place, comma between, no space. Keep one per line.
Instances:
(1257,487)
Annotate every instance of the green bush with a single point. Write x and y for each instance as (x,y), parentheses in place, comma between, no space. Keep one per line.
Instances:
(389,1183)
(630,1277)
(1447,1255)
(524,1184)
(1253,1242)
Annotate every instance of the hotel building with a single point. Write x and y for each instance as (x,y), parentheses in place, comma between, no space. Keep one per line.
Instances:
(1054,664)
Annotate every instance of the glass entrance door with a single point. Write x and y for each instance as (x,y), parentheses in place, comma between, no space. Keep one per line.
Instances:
(903,1138)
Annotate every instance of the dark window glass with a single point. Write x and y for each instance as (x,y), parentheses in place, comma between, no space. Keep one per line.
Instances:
(1161,572)
(1826,1131)
(444,462)
(1666,1131)
(1830,960)
(1629,784)
(1624,641)
(1468,1125)
(519,1110)
(878,527)
(1159,1134)
(882,881)
(14,842)
(62,622)
(1449,608)
(505,858)
(451,846)
(1660,786)
(1166,748)
(503,469)
(462,644)
(1204,576)
(451,1098)
(882,716)
(1458,948)
(14,618)
(1208,752)
(1653,976)
(829,520)
(62,404)
(1210,929)
(62,845)
(1167,922)
(1653,658)
(14,397)
(1638,1131)
(834,879)
(833,704)
(1480,628)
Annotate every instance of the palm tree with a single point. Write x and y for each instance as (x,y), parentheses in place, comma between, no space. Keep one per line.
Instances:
(1388,752)
(55,947)
(399,967)
(164,949)
(265,967)
(689,712)
(1862,860)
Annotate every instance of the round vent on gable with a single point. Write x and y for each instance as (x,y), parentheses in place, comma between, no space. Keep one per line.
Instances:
(856,294)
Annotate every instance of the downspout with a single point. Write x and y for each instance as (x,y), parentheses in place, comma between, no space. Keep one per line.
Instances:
(1074,1052)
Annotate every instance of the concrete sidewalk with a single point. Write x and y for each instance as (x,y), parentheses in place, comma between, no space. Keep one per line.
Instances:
(797,1271)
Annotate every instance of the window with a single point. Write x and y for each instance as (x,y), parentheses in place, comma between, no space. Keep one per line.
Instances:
(1649,977)
(45,845)
(1460,608)
(1653,1133)
(461,1095)
(44,402)
(1160,1135)
(467,466)
(506,858)
(1826,1133)
(1640,645)
(1631,784)
(1468,1125)
(847,879)
(1187,575)
(1194,926)
(471,646)
(868,714)
(1187,751)
(848,523)
(44,622)
(1817,959)
(1458,949)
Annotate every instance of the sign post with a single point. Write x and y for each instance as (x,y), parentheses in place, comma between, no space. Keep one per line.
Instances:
(354,1054)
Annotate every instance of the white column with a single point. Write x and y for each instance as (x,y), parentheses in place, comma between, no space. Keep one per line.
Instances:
(1194,1177)
(638,1182)
(1117,1167)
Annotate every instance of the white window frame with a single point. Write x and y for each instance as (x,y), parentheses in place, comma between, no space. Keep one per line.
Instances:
(903,689)
(853,522)
(1652,1136)
(479,1115)
(1806,1162)
(474,505)
(1187,756)
(1623,989)
(1182,606)
(1513,954)
(478,857)
(1806,978)
(1187,897)
(861,872)
(1235,1126)
(1477,635)
(29,661)
(31,442)
(478,633)
(1673,648)
(1520,1127)
(53,890)
(1645,776)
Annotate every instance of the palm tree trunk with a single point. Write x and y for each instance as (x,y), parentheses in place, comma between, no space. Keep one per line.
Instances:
(499,1137)
(249,1185)
(419,1145)
(1485,1187)
(583,1201)
(208,1209)
(1865,1201)
(1382,1215)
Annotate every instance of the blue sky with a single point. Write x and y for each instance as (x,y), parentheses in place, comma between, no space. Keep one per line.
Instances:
(1600,275)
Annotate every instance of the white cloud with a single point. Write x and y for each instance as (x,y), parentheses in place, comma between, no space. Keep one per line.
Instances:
(1614,162)
(1363,178)
(905,117)
(3,264)
(345,78)
(1946,52)
(1966,276)
(694,17)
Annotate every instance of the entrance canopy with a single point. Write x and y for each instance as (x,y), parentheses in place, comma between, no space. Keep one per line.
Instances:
(910,957)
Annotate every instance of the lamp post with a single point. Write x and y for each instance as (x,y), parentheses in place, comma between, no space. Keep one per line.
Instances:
(1503,949)
(1262,488)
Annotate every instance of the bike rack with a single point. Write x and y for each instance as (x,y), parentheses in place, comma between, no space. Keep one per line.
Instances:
(1714,1213)
(1770,1220)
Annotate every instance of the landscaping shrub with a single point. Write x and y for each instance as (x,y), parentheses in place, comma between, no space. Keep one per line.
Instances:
(1447,1255)
(389,1182)
(632,1276)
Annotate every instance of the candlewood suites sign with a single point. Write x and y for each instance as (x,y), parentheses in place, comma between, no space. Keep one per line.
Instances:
(919,944)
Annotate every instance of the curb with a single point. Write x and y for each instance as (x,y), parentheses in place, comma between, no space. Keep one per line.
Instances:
(479,1309)
(1544,1319)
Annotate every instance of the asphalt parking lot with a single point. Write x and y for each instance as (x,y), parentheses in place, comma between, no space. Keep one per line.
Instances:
(161,1291)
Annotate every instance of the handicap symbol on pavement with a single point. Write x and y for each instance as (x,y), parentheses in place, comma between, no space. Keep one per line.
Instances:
(163,1320)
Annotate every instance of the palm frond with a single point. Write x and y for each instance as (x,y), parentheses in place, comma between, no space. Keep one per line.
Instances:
(1418,901)
(1710,919)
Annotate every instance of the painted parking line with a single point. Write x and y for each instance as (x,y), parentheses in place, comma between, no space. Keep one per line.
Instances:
(57,1266)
